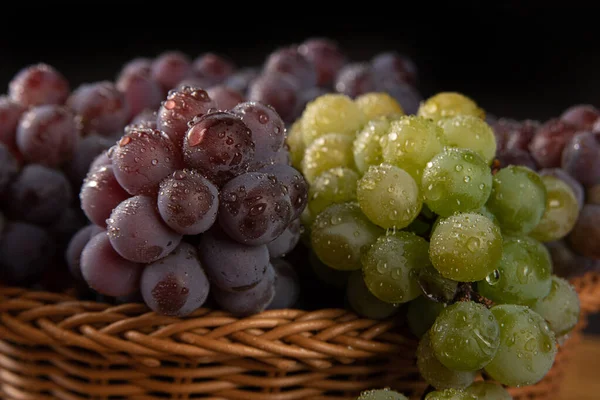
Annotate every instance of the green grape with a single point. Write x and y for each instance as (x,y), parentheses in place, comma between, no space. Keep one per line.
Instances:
(527,346)
(435,373)
(562,211)
(465,336)
(435,286)
(381,394)
(421,314)
(295,143)
(456,180)
(485,212)
(362,300)
(378,104)
(465,247)
(518,199)
(340,233)
(337,185)
(410,143)
(450,394)
(470,132)
(449,104)
(560,308)
(331,113)
(391,265)
(389,196)
(306,220)
(366,148)
(523,274)
(327,275)
(488,391)
(328,151)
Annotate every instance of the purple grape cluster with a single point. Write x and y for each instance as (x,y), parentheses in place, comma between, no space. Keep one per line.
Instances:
(567,147)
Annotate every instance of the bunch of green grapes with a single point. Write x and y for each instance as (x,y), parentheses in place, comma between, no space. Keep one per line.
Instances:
(411,210)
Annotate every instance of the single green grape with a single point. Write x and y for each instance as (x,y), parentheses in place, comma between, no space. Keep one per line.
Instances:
(470,132)
(378,104)
(391,265)
(306,220)
(488,391)
(560,308)
(363,302)
(366,147)
(337,185)
(329,276)
(329,113)
(340,233)
(389,196)
(562,211)
(421,314)
(295,142)
(435,373)
(328,151)
(381,394)
(450,394)
(465,336)
(485,212)
(518,199)
(410,143)
(465,247)
(523,274)
(449,104)
(456,180)
(527,346)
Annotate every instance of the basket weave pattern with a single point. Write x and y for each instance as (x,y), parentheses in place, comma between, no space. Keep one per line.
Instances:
(53,346)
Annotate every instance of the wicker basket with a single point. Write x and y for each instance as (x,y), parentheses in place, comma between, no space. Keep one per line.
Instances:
(53,346)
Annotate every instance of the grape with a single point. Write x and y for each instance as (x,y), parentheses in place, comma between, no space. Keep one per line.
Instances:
(516,157)
(100,160)
(389,196)
(216,68)
(363,302)
(434,286)
(354,79)
(518,199)
(391,265)
(295,141)
(585,236)
(145,119)
(575,186)
(105,271)
(523,273)
(450,394)
(241,79)
(330,276)
(188,202)
(86,151)
(279,91)
(381,394)
(329,113)
(289,61)
(527,346)
(231,266)
(561,212)
(170,67)
(286,241)
(294,184)
(406,95)
(580,157)
(378,104)
(307,95)
(560,308)
(581,116)
(38,195)
(175,285)
(456,180)
(306,219)
(394,67)
(366,147)
(250,301)
(254,208)
(180,107)
(225,97)
(592,194)
(100,194)
(283,157)
(549,141)
(75,247)
(337,185)
(469,132)
(421,314)
(142,158)
(100,108)
(10,114)
(565,261)
(287,285)
(137,232)
(435,373)
(340,233)
(219,144)
(9,167)
(521,134)
(24,252)
(482,390)
(449,104)
(465,247)
(327,57)
(38,84)
(327,152)
(140,91)
(465,336)
(410,143)
(136,66)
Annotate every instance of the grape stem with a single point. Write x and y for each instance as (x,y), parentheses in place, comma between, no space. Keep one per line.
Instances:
(465,292)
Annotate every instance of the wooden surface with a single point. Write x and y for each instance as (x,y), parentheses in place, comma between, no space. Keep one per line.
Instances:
(582,379)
